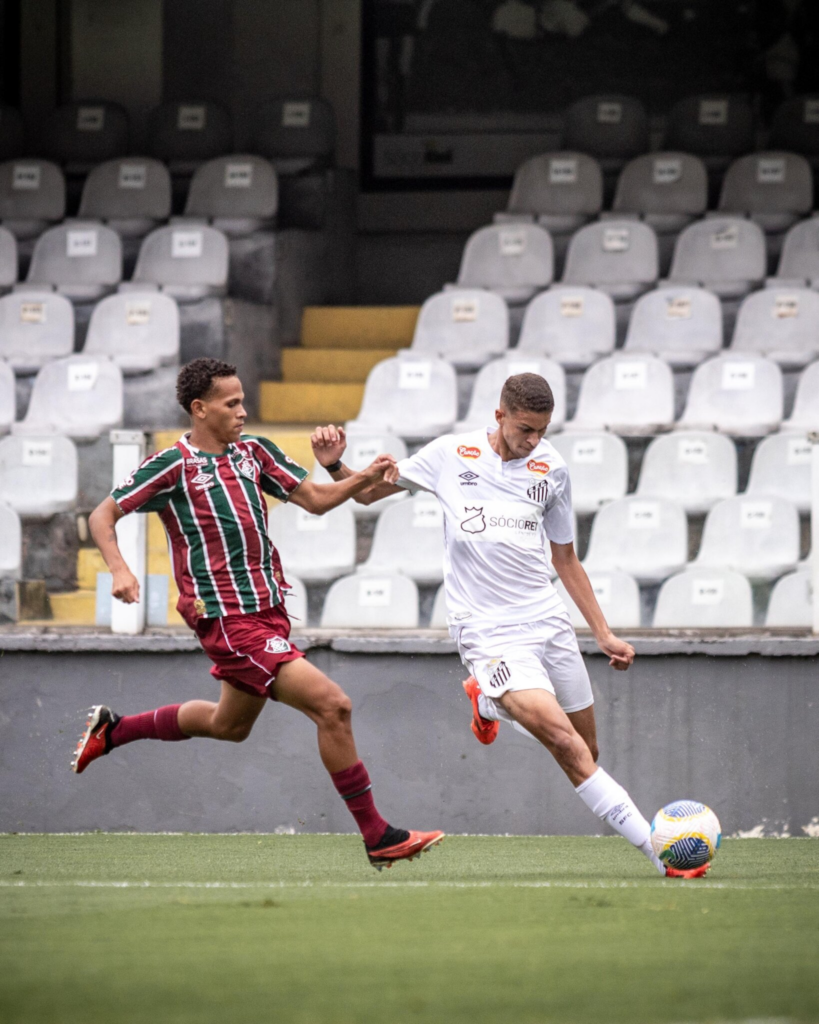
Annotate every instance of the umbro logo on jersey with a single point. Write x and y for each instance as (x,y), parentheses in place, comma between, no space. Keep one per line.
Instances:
(202,481)
(277,645)
(468,451)
(247,467)
(476,523)
(468,478)
(539,491)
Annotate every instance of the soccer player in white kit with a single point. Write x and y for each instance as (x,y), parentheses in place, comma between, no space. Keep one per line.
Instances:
(504,493)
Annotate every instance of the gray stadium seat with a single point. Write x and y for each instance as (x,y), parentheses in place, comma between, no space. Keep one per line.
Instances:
(8,259)
(562,191)
(295,601)
(805,415)
(668,190)
(381,601)
(185,134)
(487,388)
(131,195)
(296,133)
(773,188)
(598,468)
(715,127)
(38,475)
(795,126)
(11,133)
(704,599)
(617,594)
(756,536)
(726,255)
(32,196)
(35,327)
(188,263)
(78,396)
(782,324)
(618,256)
(7,397)
(611,128)
(238,194)
(791,601)
(799,262)
(682,325)
(316,548)
(11,544)
(465,326)
(81,259)
(514,260)
(575,326)
(437,619)
(417,399)
(647,538)
(137,331)
(626,394)
(696,470)
(361,450)
(409,538)
(85,133)
(781,467)
(740,395)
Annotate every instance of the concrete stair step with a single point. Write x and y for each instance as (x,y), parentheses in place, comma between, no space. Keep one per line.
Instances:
(331,365)
(361,327)
(313,403)
(77,608)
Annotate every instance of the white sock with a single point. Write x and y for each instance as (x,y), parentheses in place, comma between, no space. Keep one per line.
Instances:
(610,802)
(487,708)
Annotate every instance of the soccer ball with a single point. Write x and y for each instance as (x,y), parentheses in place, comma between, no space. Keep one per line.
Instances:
(685,834)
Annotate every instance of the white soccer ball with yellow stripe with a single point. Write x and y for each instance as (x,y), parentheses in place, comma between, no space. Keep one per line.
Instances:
(685,834)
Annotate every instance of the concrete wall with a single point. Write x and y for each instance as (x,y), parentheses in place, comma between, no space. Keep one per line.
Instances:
(738,733)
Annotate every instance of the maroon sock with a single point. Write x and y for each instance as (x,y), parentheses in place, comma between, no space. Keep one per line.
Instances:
(355,788)
(162,724)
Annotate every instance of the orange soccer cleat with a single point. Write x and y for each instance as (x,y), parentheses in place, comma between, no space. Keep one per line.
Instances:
(96,740)
(484,729)
(689,872)
(416,844)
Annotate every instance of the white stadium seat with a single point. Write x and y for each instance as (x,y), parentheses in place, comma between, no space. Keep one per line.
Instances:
(295,600)
(667,190)
(683,326)
(514,260)
(645,537)
(7,397)
(384,600)
(84,133)
(782,324)
(238,194)
(489,382)
(626,394)
(35,327)
(361,450)
(781,468)
(409,538)
(465,326)
(758,537)
(791,601)
(11,543)
(8,259)
(716,127)
(617,594)
(439,611)
(598,468)
(562,191)
(130,194)
(573,326)
(184,134)
(736,394)
(79,396)
(188,263)
(316,548)
(80,259)
(694,469)
(726,255)
(799,262)
(137,331)
(774,189)
(704,599)
(618,256)
(32,196)
(38,475)
(805,414)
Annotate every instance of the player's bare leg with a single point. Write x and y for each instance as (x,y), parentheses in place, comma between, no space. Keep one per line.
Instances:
(231,719)
(585,724)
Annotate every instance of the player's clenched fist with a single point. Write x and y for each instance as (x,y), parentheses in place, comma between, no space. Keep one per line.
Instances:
(125,586)
(383,467)
(328,444)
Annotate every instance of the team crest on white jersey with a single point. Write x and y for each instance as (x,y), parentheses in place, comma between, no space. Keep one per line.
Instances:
(247,467)
(277,645)
(476,523)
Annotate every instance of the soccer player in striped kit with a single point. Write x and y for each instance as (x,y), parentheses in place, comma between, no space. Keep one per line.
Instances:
(209,492)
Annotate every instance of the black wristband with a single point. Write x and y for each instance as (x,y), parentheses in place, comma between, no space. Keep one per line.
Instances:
(335,467)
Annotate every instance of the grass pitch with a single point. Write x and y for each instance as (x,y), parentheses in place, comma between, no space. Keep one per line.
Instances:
(201,929)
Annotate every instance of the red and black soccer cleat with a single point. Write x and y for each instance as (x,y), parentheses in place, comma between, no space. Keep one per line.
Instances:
(96,740)
(688,872)
(484,729)
(414,845)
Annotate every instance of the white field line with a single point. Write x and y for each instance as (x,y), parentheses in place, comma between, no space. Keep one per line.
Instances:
(675,883)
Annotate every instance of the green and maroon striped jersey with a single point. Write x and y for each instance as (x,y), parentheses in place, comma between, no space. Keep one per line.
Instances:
(215,514)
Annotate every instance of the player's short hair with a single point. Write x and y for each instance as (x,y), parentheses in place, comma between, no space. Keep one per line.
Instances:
(195,379)
(527,392)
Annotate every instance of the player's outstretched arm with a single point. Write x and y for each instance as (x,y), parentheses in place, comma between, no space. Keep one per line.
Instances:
(320,498)
(574,578)
(102,523)
(329,444)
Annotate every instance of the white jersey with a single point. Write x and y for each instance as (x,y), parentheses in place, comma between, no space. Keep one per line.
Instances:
(498,518)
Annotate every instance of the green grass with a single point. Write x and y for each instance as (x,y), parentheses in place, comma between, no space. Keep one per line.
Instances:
(518,930)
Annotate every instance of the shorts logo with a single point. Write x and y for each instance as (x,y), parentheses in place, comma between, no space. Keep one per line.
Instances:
(467,451)
(468,478)
(476,523)
(247,467)
(277,645)
(203,481)
(539,491)
(540,468)
(500,676)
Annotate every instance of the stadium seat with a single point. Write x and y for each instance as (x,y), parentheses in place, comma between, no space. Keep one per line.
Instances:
(647,538)
(487,388)
(617,256)
(417,399)
(617,594)
(611,128)
(35,327)
(805,415)
(316,548)
(667,190)
(704,599)
(82,134)
(598,468)
(782,325)
(573,326)
(78,396)
(736,394)
(38,475)
(514,260)
(682,325)
(795,126)
(11,133)
(781,468)
(7,397)
(561,191)
(409,538)
(8,259)
(295,601)
(437,619)
(716,128)
(726,255)
(32,196)
(188,263)
(758,537)
(696,470)
(799,262)
(81,260)
(465,326)
(791,601)
(626,394)
(238,194)
(296,133)
(137,331)
(774,189)
(131,195)
(361,450)
(186,134)
(382,601)
(11,543)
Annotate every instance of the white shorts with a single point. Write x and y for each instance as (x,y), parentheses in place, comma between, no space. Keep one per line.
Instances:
(532,656)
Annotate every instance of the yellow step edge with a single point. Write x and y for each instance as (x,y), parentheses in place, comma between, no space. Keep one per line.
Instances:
(77,608)
(331,365)
(281,402)
(358,326)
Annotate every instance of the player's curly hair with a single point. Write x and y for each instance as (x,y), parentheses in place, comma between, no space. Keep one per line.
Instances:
(528,392)
(195,379)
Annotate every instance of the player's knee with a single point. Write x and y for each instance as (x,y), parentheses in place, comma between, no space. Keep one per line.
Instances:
(336,708)
(563,745)
(234,732)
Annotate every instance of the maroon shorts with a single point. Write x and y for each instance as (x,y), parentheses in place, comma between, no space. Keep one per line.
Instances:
(248,650)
